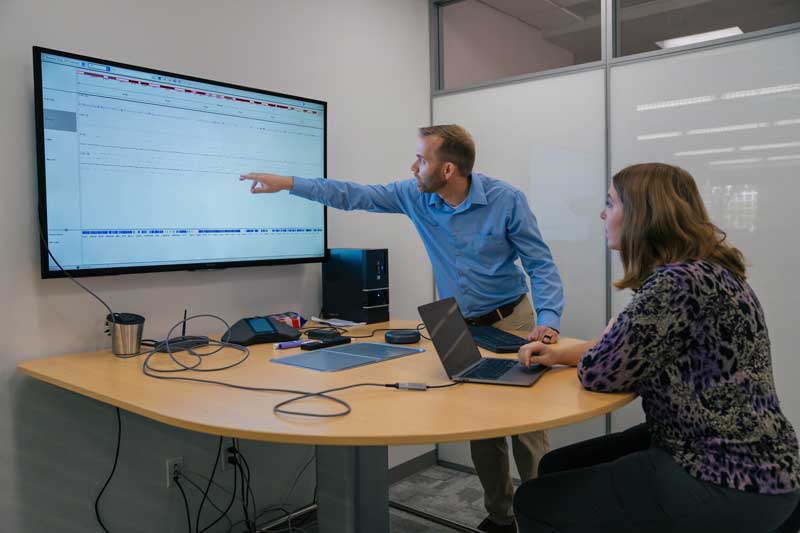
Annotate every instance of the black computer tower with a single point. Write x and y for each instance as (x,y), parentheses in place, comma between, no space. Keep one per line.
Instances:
(355,285)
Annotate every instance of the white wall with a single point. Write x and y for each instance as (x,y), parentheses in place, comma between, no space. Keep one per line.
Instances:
(483,44)
(367,58)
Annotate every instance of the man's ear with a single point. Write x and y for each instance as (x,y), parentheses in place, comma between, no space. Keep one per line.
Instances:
(450,170)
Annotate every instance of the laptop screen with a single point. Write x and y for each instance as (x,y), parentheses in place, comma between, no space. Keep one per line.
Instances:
(450,335)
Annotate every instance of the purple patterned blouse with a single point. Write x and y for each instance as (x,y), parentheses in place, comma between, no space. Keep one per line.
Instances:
(694,345)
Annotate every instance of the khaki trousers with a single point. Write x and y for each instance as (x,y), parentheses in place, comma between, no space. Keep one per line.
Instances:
(490,456)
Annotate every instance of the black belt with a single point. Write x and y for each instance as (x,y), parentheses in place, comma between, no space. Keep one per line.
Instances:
(495,316)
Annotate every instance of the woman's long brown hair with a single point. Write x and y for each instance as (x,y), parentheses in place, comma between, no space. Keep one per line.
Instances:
(665,221)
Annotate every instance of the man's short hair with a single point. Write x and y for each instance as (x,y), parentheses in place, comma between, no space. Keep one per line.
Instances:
(457,146)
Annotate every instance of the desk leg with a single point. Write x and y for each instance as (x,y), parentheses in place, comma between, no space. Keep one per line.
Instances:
(353,489)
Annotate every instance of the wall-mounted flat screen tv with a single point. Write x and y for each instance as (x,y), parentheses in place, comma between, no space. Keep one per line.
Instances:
(139,170)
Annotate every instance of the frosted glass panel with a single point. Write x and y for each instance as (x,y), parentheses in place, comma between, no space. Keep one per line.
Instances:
(731,117)
(547,137)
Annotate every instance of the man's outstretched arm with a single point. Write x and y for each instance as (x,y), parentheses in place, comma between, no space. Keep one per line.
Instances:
(339,194)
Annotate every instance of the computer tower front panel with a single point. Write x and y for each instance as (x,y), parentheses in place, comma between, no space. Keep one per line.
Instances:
(355,285)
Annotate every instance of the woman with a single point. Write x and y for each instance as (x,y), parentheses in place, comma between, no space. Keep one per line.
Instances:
(716,453)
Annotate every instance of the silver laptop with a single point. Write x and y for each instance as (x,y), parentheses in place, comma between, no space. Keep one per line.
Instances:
(460,356)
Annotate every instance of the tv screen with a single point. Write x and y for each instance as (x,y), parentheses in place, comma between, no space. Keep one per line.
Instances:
(139,170)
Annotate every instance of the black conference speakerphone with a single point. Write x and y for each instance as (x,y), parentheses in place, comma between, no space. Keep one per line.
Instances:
(260,329)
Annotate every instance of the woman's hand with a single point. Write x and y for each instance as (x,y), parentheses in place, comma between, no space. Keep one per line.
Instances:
(539,353)
(565,352)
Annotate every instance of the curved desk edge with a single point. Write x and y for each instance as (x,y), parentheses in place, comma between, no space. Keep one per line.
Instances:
(621,400)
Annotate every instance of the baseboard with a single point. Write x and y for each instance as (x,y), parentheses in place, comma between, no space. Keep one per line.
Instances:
(456,466)
(418,464)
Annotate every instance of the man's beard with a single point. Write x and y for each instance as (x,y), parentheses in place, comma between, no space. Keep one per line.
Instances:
(434,183)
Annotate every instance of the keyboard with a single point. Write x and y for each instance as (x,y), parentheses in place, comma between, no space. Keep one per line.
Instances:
(495,339)
(490,369)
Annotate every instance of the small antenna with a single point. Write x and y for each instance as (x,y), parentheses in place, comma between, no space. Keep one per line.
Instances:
(183,331)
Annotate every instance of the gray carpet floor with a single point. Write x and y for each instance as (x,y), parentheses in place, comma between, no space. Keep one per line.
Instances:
(441,491)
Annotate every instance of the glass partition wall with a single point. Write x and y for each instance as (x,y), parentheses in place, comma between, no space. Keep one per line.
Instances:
(596,85)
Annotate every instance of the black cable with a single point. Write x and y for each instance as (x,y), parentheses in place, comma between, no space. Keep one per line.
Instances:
(420,327)
(200,490)
(372,334)
(278,409)
(208,487)
(185,502)
(230,504)
(113,469)
(453,384)
(165,345)
(111,313)
(245,498)
(204,477)
(249,486)
(283,509)
(152,372)
(323,394)
(244,469)
(78,283)
(239,453)
(297,478)
(343,330)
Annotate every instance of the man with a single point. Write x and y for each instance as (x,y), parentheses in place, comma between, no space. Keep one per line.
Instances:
(474,229)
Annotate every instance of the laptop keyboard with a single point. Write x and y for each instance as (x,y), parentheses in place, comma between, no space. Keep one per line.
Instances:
(495,339)
(490,369)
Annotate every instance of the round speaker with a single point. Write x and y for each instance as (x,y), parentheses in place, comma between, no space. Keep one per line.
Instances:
(401,336)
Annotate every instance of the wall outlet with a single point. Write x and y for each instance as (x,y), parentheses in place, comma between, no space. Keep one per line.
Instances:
(225,465)
(174,466)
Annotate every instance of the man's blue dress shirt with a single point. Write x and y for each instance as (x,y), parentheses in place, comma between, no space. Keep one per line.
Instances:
(472,246)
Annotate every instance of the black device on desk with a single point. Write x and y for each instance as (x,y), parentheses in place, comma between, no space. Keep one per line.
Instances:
(259,329)
(182,342)
(327,343)
(496,340)
(322,334)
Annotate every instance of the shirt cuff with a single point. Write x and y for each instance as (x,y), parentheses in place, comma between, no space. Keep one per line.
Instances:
(302,187)
(548,318)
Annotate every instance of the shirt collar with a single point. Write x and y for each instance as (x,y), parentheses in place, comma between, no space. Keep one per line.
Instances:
(476,194)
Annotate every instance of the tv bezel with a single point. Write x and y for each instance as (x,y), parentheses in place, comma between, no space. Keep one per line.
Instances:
(46,273)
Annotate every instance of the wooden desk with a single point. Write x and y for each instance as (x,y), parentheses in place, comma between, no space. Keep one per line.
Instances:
(352,459)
